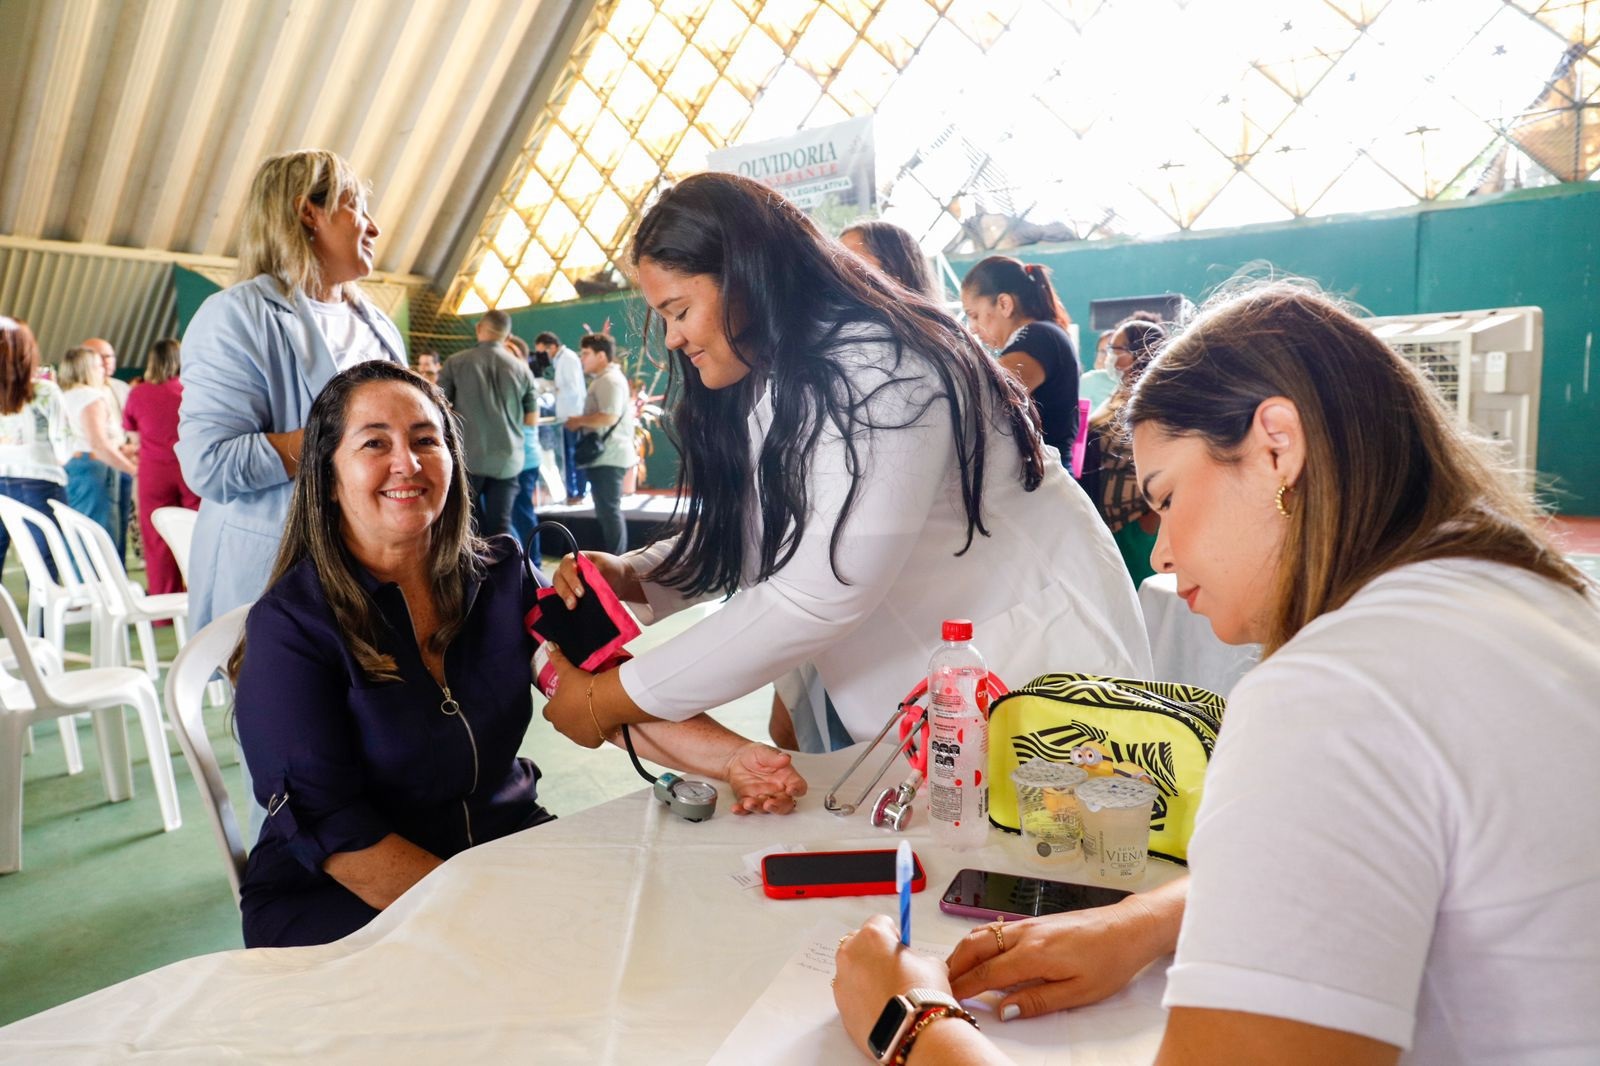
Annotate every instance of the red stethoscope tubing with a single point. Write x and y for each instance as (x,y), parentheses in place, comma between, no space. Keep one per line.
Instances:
(911,713)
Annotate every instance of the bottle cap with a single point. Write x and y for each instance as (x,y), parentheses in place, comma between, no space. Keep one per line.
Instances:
(956,629)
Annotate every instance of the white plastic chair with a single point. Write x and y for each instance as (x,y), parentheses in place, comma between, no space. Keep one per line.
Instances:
(53,602)
(176,527)
(187,684)
(125,603)
(103,691)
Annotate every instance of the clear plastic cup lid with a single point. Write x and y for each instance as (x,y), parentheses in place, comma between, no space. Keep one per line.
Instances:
(1042,773)
(1116,793)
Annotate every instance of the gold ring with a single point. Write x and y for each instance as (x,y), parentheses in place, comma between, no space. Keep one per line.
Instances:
(999,937)
(847,936)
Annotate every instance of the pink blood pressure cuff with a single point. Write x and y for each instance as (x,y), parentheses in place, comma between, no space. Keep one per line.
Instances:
(592,635)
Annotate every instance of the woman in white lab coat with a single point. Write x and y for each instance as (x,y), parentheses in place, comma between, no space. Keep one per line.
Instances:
(855,470)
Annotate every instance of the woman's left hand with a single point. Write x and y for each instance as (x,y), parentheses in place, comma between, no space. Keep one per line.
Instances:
(764,780)
(569,709)
(872,967)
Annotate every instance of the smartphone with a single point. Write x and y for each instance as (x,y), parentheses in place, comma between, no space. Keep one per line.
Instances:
(798,874)
(1006,897)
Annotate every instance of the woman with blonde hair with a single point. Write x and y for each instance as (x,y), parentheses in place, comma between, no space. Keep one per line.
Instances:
(257,355)
(152,412)
(1373,879)
(95,459)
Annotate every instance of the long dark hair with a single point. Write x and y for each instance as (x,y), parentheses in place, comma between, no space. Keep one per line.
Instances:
(788,296)
(1389,477)
(897,253)
(313,527)
(1028,284)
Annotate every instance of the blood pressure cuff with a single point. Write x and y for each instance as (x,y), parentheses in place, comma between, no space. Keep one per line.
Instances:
(1165,730)
(591,635)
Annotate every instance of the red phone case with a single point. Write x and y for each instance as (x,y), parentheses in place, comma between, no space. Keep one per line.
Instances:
(919,878)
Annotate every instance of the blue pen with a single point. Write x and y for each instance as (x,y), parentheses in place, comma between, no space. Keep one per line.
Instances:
(902,882)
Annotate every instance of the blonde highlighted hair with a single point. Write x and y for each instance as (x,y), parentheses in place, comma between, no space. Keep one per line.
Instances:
(274,240)
(1390,477)
(78,367)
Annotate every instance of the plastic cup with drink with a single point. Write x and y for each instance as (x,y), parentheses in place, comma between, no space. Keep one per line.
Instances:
(1116,827)
(1048,812)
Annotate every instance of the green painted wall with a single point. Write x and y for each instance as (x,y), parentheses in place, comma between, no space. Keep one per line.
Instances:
(1539,247)
(192,290)
(1544,251)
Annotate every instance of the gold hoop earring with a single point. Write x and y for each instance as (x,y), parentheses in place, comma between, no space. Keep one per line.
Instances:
(1283,487)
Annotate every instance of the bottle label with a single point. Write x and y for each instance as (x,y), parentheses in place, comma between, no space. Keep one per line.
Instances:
(944,804)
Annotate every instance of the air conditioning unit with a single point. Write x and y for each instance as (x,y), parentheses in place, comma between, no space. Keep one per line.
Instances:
(1485,364)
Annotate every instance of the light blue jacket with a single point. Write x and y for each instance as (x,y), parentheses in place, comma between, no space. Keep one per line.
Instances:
(253,362)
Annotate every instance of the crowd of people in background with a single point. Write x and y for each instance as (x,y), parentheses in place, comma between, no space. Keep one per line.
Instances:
(858,464)
(521,406)
(77,434)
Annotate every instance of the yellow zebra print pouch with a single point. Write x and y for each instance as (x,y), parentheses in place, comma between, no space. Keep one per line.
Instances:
(1109,725)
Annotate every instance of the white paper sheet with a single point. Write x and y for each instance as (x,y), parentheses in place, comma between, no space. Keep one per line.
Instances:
(795,1023)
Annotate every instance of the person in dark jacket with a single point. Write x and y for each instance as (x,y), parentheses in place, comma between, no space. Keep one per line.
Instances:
(383,684)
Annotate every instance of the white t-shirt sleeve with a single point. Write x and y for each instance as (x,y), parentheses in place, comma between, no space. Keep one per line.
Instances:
(775,625)
(1314,893)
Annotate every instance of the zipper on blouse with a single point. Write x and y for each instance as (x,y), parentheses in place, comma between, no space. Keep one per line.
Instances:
(450,707)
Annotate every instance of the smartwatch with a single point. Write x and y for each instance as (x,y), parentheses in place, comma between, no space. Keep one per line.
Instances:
(900,1015)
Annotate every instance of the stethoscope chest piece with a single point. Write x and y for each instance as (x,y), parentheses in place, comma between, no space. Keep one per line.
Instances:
(893,808)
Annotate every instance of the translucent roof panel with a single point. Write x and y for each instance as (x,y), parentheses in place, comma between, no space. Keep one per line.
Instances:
(1002,122)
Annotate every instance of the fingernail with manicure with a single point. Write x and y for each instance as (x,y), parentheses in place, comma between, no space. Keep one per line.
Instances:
(1009,1012)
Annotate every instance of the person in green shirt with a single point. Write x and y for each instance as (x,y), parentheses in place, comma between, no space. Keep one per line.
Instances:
(494,394)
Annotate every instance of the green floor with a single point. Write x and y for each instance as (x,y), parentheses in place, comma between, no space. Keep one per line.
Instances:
(104,894)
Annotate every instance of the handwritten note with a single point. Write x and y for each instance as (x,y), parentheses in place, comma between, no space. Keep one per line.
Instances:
(795,1022)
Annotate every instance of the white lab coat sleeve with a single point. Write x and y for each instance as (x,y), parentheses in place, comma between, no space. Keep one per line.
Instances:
(660,601)
(226,410)
(775,625)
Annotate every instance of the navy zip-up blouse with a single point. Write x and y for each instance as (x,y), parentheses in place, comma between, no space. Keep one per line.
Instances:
(340,762)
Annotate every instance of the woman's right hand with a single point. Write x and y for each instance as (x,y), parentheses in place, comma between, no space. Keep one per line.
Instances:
(1065,960)
(618,574)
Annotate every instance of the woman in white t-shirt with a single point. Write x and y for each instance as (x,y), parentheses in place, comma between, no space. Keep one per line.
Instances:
(1389,862)
(33,431)
(94,458)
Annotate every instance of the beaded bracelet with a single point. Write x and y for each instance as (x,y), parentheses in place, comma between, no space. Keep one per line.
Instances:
(927,1018)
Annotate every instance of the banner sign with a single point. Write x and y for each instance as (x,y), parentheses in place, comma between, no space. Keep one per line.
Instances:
(828,173)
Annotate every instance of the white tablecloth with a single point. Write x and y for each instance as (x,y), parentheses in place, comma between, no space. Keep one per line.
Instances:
(615,935)
(1182,644)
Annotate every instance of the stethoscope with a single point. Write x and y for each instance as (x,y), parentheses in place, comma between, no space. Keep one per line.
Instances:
(892,808)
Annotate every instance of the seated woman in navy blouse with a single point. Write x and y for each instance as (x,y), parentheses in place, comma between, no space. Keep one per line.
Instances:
(383,683)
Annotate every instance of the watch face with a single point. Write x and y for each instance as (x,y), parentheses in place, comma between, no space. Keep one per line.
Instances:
(694,791)
(887,1028)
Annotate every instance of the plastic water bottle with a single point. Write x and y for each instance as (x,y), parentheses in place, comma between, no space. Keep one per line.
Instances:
(958,754)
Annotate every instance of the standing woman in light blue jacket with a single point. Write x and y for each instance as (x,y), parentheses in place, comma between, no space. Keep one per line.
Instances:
(257,354)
